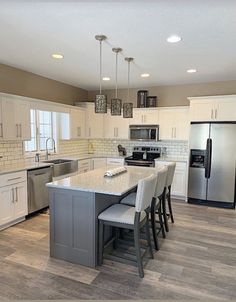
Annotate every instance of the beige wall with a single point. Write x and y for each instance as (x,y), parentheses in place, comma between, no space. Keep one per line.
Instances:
(20,82)
(174,95)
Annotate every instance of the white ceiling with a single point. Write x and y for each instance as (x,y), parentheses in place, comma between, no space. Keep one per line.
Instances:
(31,31)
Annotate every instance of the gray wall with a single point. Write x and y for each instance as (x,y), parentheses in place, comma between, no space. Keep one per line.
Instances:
(174,95)
(20,82)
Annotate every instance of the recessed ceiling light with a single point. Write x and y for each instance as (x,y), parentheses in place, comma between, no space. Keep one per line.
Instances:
(191,70)
(57,56)
(145,75)
(106,79)
(174,39)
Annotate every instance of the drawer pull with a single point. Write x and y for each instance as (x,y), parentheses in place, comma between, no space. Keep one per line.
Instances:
(15,178)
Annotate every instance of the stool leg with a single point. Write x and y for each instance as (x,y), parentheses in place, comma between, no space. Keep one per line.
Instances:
(164,212)
(169,204)
(100,242)
(161,221)
(153,222)
(137,245)
(148,235)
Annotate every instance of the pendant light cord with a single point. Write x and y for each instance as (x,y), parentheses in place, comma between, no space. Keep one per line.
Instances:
(128,79)
(100,67)
(116,74)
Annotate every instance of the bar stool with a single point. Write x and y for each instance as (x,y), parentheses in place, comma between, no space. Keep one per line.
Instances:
(132,218)
(159,195)
(169,179)
(157,200)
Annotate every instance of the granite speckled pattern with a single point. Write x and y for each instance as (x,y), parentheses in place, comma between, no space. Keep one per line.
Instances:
(94,181)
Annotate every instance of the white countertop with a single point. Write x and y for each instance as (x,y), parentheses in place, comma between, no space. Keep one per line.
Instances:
(22,167)
(94,181)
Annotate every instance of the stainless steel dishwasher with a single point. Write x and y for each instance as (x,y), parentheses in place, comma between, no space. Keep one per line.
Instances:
(37,190)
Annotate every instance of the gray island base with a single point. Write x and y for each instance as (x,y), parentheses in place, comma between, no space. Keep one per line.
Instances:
(75,204)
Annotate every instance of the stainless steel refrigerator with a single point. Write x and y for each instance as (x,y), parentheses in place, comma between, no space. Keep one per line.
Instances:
(212,164)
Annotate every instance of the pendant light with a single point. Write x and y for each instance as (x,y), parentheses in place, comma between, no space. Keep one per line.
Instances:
(101,99)
(128,107)
(116,103)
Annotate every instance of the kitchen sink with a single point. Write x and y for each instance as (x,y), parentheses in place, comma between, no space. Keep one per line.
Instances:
(63,166)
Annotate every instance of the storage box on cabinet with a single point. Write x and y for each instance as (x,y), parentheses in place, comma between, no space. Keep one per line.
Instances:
(13,198)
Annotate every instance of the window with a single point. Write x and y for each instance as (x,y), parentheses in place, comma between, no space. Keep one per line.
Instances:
(42,127)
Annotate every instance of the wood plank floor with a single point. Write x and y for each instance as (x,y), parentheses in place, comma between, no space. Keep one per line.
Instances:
(196,260)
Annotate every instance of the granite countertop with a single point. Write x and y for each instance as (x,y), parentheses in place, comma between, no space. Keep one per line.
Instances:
(117,185)
(28,166)
(22,167)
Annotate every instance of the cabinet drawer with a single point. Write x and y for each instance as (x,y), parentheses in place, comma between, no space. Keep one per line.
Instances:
(115,161)
(12,178)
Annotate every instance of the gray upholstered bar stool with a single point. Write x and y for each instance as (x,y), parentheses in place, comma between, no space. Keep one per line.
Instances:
(158,197)
(132,218)
(169,179)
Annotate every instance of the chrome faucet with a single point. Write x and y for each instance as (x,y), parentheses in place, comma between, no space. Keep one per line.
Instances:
(54,146)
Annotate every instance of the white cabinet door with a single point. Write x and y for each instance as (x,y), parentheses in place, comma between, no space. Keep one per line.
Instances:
(144,117)
(178,185)
(94,123)
(6,204)
(84,165)
(22,119)
(99,162)
(116,126)
(226,110)
(166,129)
(21,204)
(203,111)
(16,119)
(77,123)
(174,124)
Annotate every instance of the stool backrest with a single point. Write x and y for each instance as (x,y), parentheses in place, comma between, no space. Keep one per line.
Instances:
(170,173)
(161,181)
(145,192)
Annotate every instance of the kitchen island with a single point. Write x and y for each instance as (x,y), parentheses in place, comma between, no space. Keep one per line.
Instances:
(76,202)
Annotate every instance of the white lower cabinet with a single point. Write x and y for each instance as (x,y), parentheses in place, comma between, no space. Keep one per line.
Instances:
(179,184)
(13,199)
(99,162)
(84,165)
(115,161)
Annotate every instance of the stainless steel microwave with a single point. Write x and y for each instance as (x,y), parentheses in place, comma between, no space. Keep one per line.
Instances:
(144,132)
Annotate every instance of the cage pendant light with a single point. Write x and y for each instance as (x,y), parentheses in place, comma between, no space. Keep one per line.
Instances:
(101,99)
(115,102)
(128,107)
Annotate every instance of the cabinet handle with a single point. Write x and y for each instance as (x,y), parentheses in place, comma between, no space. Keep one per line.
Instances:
(16,194)
(1,130)
(12,194)
(89,131)
(79,131)
(117,132)
(172,132)
(175,132)
(17,132)
(215,113)
(114,132)
(212,114)
(144,118)
(20,126)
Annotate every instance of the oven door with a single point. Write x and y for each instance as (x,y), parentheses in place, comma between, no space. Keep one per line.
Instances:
(139,163)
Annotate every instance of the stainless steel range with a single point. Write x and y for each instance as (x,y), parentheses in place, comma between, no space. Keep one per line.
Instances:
(143,156)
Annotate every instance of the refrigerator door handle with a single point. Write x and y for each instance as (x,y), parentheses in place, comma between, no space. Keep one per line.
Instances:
(208,158)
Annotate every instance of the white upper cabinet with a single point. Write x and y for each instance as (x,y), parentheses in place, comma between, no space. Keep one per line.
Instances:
(72,125)
(116,126)
(144,116)
(213,108)
(94,122)
(174,123)
(15,119)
